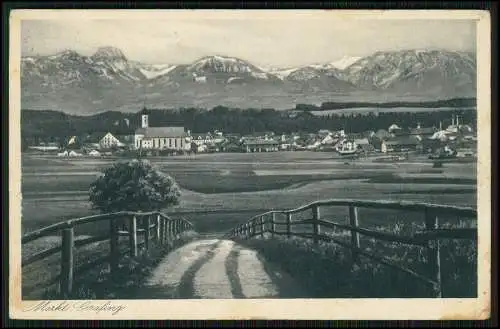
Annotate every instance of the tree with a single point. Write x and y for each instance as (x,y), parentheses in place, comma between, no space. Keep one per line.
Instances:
(194,147)
(133,186)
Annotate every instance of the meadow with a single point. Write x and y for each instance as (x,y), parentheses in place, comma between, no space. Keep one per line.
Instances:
(220,191)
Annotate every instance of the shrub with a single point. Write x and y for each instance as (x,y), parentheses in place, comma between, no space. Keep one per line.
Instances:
(133,185)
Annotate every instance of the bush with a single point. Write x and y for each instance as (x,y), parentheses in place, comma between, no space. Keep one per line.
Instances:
(133,185)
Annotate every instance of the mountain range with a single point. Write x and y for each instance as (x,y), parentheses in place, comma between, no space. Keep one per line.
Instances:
(108,80)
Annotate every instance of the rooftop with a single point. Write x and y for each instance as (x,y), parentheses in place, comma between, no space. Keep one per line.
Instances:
(260,142)
(161,132)
(423,131)
(402,141)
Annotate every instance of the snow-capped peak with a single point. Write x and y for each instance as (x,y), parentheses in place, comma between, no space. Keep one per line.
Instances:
(108,53)
(68,53)
(345,62)
(219,63)
(155,70)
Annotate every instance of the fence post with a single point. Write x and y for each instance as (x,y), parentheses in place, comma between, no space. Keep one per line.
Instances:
(316,227)
(67,247)
(160,229)
(114,252)
(165,230)
(157,229)
(288,225)
(262,228)
(168,230)
(354,222)
(273,225)
(433,254)
(176,228)
(145,225)
(133,236)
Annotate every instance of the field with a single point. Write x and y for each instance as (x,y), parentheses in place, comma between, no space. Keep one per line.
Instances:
(221,190)
(376,110)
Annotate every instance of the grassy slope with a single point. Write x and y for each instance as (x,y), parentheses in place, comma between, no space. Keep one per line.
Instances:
(327,271)
(96,283)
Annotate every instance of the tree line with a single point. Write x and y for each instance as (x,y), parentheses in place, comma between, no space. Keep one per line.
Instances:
(52,126)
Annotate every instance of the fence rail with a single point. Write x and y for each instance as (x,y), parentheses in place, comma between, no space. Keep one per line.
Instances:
(155,227)
(428,238)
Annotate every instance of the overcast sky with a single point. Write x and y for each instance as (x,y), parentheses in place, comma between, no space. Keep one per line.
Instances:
(281,41)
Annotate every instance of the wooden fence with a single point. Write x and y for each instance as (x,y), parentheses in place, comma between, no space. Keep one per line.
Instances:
(154,226)
(428,238)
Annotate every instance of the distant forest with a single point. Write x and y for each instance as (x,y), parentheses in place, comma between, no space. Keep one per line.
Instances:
(46,125)
(454,103)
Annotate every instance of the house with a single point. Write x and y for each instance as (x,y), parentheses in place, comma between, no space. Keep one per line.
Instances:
(466,153)
(394,129)
(158,138)
(260,145)
(70,154)
(262,134)
(314,145)
(202,79)
(399,144)
(369,134)
(126,138)
(441,135)
(340,133)
(109,141)
(202,139)
(324,132)
(346,144)
(45,147)
(422,132)
(94,153)
(382,134)
(329,140)
(218,137)
(356,135)
(364,144)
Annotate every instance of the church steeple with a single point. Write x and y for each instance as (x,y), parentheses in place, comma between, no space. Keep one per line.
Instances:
(144,113)
(145,119)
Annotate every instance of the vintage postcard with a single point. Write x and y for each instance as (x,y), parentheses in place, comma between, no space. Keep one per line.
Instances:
(225,164)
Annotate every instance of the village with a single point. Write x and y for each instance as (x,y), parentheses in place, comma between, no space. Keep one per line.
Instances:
(457,140)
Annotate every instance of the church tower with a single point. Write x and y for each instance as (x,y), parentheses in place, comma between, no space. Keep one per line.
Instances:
(145,123)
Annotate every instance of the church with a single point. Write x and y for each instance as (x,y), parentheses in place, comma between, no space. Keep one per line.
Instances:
(159,138)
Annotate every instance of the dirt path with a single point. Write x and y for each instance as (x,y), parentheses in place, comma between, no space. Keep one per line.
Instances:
(218,269)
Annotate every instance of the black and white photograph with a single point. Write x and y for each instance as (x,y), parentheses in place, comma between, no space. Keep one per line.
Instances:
(299,156)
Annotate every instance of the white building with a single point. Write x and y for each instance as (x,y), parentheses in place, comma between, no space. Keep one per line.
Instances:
(202,139)
(158,138)
(109,141)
